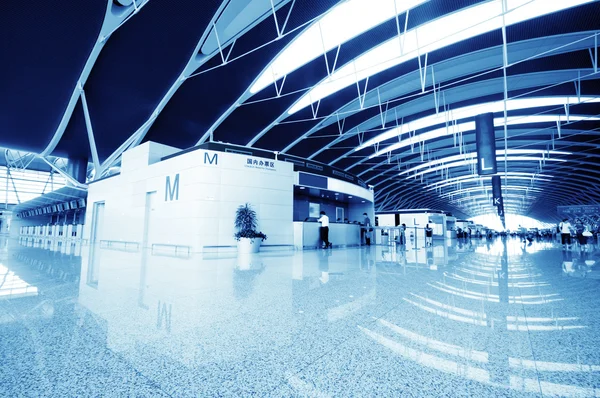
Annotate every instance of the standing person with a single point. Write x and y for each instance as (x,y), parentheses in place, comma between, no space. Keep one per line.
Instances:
(587,235)
(367,229)
(523,233)
(403,234)
(565,232)
(324,220)
(579,228)
(428,235)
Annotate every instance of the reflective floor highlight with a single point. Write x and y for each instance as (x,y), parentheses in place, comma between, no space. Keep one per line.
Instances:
(476,319)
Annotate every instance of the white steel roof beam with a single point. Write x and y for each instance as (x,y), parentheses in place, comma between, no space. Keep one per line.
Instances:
(114,17)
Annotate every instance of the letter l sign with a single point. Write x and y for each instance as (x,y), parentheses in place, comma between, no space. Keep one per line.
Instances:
(483,165)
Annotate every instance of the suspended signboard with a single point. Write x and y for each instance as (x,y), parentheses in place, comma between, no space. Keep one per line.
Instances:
(496,191)
(485,140)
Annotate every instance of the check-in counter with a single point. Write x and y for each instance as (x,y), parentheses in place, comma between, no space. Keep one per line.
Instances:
(307,235)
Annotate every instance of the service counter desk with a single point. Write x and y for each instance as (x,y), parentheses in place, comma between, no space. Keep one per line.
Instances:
(307,235)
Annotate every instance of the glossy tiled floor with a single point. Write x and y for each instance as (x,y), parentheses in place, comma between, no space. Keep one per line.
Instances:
(477,320)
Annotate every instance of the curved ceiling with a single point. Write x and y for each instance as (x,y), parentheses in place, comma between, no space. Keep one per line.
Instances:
(386,90)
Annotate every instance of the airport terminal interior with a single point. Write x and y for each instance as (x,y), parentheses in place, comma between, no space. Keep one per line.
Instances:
(299,198)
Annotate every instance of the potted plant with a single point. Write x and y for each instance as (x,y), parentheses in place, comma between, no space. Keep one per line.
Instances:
(248,238)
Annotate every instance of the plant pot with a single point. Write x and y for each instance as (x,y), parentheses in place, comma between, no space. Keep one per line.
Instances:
(247,245)
(249,262)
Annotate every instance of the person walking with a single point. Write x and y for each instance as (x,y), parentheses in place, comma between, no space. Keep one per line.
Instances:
(579,228)
(522,234)
(324,230)
(565,232)
(428,235)
(403,234)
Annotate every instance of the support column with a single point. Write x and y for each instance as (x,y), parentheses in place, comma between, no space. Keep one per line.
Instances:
(77,168)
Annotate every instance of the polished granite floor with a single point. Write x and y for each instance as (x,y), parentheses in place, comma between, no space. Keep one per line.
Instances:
(479,319)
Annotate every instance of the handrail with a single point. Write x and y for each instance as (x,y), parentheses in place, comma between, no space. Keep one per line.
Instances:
(185,250)
(126,245)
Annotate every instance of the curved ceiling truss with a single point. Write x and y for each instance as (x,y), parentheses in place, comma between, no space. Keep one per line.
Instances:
(384,130)
(372,88)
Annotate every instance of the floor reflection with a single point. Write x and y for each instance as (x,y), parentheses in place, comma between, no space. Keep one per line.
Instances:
(476,318)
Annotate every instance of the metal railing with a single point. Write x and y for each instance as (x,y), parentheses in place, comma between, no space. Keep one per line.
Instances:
(160,249)
(120,245)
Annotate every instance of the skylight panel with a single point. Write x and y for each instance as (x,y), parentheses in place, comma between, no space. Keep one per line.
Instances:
(472,155)
(472,111)
(470,126)
(431,36)
(473,161)
(489,189)
(460,179)
(343,23)
(475,179)
(28,184)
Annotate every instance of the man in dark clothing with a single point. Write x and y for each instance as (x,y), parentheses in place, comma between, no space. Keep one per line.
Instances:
(367,229)
(428,235)
(403,234)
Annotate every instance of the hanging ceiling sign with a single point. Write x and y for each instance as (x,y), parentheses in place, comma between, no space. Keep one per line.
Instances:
(496,191)
(501,210)
(485,140)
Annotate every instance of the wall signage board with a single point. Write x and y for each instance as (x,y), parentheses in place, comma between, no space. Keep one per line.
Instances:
(311,180)
(485,140)
(262,164)
(574,211)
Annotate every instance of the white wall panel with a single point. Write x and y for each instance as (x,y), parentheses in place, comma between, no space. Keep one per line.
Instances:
(387,220)
(209,194)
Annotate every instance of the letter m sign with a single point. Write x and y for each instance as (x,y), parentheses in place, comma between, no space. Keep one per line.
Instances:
(209,160)
(172,191)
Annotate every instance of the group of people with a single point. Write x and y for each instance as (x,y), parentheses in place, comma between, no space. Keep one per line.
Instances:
(581,231)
